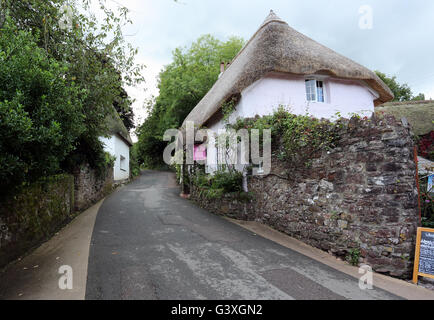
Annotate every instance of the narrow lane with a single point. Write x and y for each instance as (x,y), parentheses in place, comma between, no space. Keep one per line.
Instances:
(148,243)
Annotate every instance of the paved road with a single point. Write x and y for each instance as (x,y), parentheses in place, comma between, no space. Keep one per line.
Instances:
(148,243)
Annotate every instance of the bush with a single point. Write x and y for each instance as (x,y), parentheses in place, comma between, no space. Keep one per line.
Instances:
(299,137)
(228,181)
(134,163)
(41,113)
(353,256)
(220,183)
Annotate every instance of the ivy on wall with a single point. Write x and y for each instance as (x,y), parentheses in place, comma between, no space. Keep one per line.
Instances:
(295,138)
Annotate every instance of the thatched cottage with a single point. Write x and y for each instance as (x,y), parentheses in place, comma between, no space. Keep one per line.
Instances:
(118,143)
(279,66)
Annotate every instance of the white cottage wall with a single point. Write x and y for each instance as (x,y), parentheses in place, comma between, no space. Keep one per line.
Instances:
(264,96)
(119,149)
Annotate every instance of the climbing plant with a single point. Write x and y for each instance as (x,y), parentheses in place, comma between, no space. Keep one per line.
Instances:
(295,138)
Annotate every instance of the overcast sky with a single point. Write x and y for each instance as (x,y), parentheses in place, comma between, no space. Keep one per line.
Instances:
(401,41)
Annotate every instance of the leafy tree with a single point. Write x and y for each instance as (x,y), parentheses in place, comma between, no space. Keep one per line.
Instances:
(125,111)
(182,84)
(94,60)
(134,164)
(41,110)
(419,97)
(402,92)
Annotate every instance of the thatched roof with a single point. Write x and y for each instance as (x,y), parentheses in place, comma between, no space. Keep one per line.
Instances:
(276,47)
(115,126)
(419,114)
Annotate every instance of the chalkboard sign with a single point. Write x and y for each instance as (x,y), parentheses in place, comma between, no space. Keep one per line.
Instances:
(424,255)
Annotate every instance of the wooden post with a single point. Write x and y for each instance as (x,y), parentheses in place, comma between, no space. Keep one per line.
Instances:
(416,271)
(418,186)
(417,256)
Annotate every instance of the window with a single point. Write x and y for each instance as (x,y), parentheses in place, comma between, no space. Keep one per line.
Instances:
(123,164)
(314,90)
(260,168)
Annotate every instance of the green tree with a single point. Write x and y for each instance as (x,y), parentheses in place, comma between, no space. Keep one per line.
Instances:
(402,92)
(41,110)
(98,58)
(182,84)
(94,59)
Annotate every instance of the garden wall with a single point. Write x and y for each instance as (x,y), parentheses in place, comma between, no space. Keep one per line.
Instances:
(359,197)
(41,209)
(91,186)
(34,214)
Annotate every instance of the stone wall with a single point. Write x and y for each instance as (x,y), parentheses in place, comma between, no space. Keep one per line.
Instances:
(361,195)
(229,205)
(33,215)
(91,186)
(41,209)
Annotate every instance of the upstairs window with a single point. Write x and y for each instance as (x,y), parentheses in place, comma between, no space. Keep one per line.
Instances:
(314,90)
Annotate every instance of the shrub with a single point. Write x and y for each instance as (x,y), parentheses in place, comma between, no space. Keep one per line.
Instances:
(353,256)
(40,110)
(298,137)
(228,181)
(134,163)
(220,183)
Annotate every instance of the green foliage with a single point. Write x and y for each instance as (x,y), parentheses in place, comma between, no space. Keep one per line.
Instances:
(202,180)
(134,163)
(41,110)
(304,136)
(182,84)
(35,213)
(109,159)
(211,193)
(402,92)
(59,85)
(221,183)
(178,171)
(228,181)
(353,256)
(296,138)
(228,108)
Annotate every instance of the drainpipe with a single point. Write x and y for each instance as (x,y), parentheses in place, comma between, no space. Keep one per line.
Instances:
(245,187)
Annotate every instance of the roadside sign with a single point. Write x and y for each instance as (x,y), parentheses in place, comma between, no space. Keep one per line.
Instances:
(424,255)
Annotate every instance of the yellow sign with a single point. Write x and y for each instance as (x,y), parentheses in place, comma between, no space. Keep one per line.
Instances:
(424,255)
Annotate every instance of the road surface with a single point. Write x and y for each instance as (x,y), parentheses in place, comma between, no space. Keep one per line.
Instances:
(148,243)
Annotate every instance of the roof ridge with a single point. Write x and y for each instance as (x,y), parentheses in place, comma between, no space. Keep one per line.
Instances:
(277,47)
(272,17)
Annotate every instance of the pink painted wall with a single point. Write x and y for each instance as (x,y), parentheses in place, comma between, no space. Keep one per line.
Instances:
(265,95)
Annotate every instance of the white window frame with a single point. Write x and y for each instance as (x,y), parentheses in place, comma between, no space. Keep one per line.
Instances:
(317,80)
(122,163)
(260,168)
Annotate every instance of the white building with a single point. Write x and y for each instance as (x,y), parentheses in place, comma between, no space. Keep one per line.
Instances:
(279,66)
(118,145)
